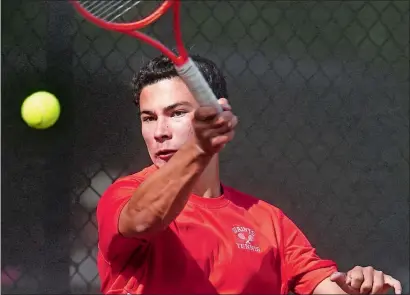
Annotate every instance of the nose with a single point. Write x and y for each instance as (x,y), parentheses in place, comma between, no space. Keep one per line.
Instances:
(162,131)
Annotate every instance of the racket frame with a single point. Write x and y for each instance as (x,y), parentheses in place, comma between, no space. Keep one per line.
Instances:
(184,65)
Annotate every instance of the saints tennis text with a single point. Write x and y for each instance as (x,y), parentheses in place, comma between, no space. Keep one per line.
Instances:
(245,236)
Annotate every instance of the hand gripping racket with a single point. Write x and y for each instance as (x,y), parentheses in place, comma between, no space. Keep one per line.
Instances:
(127,17)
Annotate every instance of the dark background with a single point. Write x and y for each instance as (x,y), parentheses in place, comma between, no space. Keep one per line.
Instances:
(321,90)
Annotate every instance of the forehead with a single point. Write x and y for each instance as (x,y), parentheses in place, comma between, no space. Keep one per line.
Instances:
(164,93)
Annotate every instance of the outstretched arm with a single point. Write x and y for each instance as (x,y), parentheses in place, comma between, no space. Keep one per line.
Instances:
(162,196)
(359,280)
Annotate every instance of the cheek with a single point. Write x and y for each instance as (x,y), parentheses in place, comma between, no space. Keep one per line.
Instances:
(183,129)
(148,135)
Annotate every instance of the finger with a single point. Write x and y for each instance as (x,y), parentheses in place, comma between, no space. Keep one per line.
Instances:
(233,122)
(378,282)
(223,139)
(226,107)
(390,282)
(357,277)
(223,118)
(338,277)
(367,284)
(210,133)
(223,101)
(205,114)
(222,129)
(225,104)
(348,279)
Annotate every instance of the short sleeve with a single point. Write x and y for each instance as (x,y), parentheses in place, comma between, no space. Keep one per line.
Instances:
(304,268)
(110,241)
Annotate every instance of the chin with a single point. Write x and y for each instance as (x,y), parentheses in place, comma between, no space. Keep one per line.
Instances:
(159,162)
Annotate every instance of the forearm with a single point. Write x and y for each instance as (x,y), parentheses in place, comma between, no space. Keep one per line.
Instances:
(163,195)
(328,287)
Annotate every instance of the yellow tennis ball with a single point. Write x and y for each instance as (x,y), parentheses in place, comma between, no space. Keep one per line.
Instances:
(40,110)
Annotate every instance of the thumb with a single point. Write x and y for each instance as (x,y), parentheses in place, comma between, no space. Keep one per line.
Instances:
(340,278)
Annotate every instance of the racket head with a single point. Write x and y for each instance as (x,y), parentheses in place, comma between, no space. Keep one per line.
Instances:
(122,15)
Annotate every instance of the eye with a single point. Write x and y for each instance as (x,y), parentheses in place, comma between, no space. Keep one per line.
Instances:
(147,119)
(179,113)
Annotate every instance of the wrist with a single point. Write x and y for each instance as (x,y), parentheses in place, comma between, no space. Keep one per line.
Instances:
(195,152)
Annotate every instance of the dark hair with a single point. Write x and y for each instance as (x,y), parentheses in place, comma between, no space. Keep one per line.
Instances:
(161,67)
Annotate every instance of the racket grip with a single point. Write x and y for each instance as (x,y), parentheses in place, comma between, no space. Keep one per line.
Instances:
(197,84)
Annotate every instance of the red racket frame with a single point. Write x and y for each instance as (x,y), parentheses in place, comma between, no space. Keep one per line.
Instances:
(131,29)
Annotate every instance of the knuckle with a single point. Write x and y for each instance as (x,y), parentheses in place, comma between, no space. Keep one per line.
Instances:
(225,117)
(206,112)
(228,113)
(356,277)
(220,122)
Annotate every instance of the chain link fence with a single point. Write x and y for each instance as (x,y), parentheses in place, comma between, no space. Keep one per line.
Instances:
(321,91)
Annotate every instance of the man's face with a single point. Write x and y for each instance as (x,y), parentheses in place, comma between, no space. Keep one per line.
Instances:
(166,109)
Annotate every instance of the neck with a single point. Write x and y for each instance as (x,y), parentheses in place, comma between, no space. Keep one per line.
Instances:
(209,184)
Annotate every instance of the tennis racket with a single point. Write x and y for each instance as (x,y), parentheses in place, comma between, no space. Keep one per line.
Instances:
(130,16)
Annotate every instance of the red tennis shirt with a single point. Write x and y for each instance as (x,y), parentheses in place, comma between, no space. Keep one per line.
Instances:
(233,244)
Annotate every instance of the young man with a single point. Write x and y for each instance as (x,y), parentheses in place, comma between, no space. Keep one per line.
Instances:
(173,228)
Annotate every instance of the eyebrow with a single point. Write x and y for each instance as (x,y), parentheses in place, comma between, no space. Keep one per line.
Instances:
(167,108)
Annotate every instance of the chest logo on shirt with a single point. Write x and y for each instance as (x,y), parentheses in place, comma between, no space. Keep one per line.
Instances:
(245,238)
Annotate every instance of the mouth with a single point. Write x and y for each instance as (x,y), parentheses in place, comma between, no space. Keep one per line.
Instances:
(165,154)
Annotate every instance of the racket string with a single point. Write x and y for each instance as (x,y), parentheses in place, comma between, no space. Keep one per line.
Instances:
(111,11)
(94,9)
(123,12)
